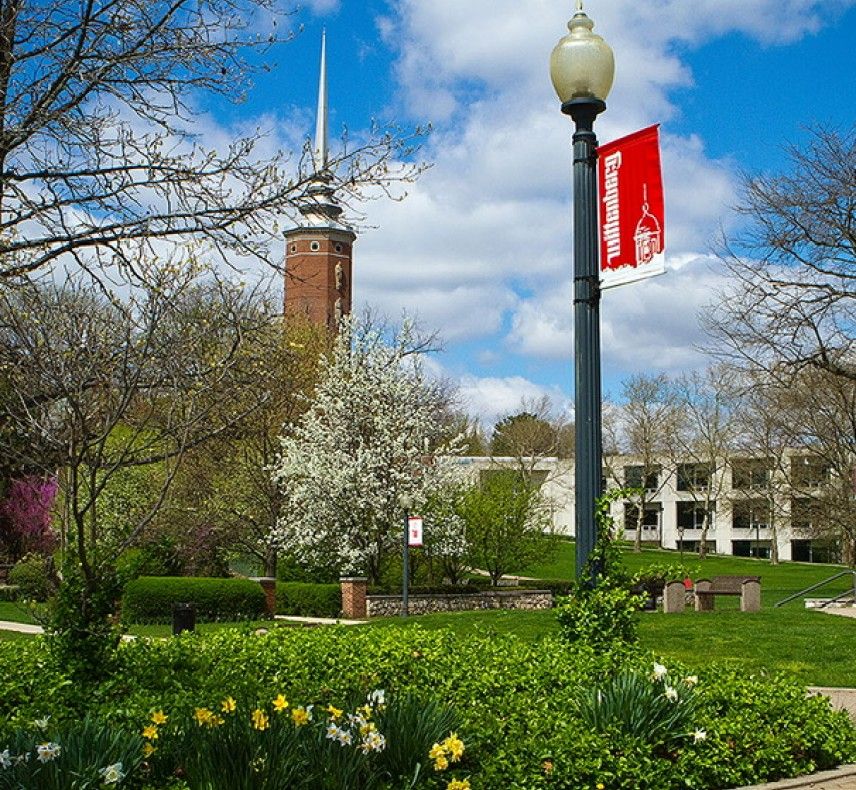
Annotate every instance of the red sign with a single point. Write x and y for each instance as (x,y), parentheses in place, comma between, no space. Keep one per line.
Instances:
(414,531)
(632,217)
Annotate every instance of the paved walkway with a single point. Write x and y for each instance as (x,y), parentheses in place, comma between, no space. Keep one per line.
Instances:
(21,628)
(317,620)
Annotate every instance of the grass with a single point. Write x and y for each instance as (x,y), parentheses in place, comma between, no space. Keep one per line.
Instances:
(11,611)
(777,581)
(812,646)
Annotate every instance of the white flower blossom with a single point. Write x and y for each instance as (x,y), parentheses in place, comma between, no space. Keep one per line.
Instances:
(112,774)
(671,694)
(48,751)
(699,735)
(377,698)
(5,759)
(659,671)
(359,446)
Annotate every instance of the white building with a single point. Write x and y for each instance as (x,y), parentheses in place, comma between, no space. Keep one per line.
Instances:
(747,499)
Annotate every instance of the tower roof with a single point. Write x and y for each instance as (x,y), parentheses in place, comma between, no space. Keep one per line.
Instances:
(318,202)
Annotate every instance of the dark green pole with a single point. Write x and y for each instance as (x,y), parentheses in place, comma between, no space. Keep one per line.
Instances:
(406,575)
(587,391)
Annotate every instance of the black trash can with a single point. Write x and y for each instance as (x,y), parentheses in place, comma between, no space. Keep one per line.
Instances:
(183,617)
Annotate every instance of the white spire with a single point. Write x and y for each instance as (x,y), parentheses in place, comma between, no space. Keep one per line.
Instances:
(321,118)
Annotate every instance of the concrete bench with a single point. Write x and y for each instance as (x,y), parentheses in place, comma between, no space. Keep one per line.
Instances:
(747,587)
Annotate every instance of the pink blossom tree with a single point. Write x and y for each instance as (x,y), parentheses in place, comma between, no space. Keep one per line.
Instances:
(25,516)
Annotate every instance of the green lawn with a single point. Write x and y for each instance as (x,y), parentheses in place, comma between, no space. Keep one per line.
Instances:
(777,581)
(14,613)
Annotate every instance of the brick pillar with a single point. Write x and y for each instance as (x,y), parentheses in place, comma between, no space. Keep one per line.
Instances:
(750,596)
(268,584)
(703,603)
(354,597)
(674,598)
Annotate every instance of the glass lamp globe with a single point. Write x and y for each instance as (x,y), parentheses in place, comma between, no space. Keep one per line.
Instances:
(582,64)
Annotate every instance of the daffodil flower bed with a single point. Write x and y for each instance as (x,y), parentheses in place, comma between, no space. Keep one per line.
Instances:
(518,706)
(275,744)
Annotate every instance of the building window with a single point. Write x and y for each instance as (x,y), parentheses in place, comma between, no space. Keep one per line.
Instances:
(808,472)
(815,551)
(751,474)
(803,514)
(691,515)
(640,477)
(751,548)
(338,247)
(750,514)
(314,246)
(293,248)
(692,477)
(650,518)
(692,546)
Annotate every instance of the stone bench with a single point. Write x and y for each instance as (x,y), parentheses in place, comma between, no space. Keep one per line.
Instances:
(747,587)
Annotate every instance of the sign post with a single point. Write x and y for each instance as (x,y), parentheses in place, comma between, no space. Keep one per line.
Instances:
(632,214)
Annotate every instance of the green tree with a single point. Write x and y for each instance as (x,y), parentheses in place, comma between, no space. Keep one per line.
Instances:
(507,522)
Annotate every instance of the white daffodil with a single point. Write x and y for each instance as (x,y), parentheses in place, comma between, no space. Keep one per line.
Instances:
(5,759)
(48,751)
(691,681)
(699,735)
(659,671)
(671,694)
(112,774)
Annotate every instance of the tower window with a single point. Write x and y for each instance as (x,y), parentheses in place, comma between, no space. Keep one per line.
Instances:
(293,248)
(338,247)
(315,246)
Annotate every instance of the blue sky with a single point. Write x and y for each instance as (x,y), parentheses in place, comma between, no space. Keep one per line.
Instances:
(480,248)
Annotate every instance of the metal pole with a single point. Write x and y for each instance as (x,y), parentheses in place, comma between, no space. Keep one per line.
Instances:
(406,574)
(587,391)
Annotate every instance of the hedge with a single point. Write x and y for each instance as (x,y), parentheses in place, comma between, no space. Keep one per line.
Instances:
(308,600)
(150,599)
(518,702)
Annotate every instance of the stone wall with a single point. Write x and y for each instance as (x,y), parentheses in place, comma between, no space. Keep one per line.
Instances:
(390,605)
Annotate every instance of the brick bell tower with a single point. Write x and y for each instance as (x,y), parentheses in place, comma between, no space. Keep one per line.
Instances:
(318,252)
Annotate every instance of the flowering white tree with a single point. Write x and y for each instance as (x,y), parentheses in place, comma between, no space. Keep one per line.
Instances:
(371,435)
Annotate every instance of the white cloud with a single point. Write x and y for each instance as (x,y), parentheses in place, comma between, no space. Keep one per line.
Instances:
(322,7)
(490,399)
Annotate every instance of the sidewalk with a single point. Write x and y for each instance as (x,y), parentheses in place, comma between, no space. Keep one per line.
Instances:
(21,628)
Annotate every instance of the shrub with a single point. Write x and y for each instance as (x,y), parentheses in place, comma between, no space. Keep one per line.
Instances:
(31,576)
(308,600)
(515,700)
(150,599)
(601,618)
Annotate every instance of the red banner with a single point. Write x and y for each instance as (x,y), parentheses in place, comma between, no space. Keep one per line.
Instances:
(632,217)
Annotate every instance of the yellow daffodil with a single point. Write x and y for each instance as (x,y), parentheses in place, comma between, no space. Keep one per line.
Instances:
(260,720)
(441,763)
(202,716)
(150,731)
(228,705)
(301,716)
(148,749)
(280,703)
(335,713)
(459,784)
(437,750)
(455,746)
(159,717)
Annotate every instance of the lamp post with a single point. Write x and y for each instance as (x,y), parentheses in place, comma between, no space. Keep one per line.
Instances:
(582,68)
(405,502)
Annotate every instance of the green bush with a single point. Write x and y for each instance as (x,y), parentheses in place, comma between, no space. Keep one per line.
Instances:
(30,576)
(308,600)
(150,599)
(601,618)
(516,702)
